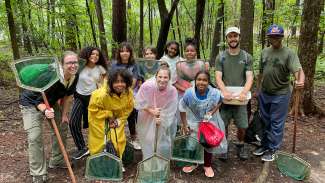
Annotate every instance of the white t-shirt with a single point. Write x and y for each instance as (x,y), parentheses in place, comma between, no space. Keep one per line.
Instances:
(89,78)
(172,66)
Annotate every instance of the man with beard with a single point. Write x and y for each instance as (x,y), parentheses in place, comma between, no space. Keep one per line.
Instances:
(276,64)
(234,68)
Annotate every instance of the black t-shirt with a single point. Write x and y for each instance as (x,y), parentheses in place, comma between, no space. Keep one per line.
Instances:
(53,94)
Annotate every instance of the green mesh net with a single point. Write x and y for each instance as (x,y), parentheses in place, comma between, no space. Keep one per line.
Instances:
(187,149)
(104,166)
(153,170)
(147,67)
(292,166)
(128,154)
(36,73)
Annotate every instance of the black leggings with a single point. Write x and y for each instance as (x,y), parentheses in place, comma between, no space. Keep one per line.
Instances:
(79,110)
(132,120)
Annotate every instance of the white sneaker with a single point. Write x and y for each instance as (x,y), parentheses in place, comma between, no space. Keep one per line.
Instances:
(136,144)
(123,169)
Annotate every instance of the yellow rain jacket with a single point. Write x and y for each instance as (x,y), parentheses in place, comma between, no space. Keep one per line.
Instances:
(102,105)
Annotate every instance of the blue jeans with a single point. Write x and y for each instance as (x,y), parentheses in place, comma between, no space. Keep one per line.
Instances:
(274,110)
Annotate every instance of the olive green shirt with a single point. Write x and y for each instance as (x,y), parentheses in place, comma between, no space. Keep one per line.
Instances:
(234,67)
(276,66)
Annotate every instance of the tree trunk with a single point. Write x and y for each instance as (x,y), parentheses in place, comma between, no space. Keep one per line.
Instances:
(141,30)
(308,49)
(247,25)
(70,26)
(12,30)
(27,42)
(165,20)
(150,20)
(216,35)
(179,32)
(101,28)
(93,31)
(267,19)
(200,7)
(119,25)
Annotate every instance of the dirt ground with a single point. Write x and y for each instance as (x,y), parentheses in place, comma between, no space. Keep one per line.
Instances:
(14,160)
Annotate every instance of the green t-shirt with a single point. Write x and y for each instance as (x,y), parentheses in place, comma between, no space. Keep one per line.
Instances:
(276,66)
(234,67)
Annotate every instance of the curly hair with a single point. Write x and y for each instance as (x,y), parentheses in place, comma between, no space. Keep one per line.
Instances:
(86,53)
(170,43)
(126,76)
(120,49)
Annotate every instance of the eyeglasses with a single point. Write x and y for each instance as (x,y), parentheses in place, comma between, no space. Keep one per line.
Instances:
(72,63)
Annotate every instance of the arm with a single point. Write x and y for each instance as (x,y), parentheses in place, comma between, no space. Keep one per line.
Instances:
(226,94)
(247,86)
(96,110)
(299,79)
(179,87)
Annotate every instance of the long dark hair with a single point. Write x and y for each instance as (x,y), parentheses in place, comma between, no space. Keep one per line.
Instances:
(86,53)
(126,76)
(207,74)
(120,49)
(170,43)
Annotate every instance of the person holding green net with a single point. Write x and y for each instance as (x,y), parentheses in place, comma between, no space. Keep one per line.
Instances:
(34,110)
(113,102)
(198,102)
(156,102)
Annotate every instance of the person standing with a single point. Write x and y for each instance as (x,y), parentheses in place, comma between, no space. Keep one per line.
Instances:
(234,68)
(34,109)
(90,78)
(276,64)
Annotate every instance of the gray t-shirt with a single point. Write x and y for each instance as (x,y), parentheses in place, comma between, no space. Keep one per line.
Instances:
(89,79)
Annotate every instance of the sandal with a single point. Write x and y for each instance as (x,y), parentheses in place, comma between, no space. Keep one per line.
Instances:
(208,172)
(189,169)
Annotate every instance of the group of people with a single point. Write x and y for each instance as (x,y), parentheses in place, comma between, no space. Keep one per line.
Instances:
(126,93)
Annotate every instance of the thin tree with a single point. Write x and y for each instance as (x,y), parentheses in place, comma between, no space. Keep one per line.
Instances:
(70,26)
(12,30)
(267,19)
(93,32)
(165,20)
(217,34)
(141,29)
(200,7)
(247,25)
(26,38)
(308,49)
(150,20)
(101,28)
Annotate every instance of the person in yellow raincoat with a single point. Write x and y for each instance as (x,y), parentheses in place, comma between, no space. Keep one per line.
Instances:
(113,102)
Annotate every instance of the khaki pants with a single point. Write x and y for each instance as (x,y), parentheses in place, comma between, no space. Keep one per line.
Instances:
(33,120)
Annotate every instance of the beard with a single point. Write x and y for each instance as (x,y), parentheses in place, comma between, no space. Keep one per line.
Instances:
(237,44)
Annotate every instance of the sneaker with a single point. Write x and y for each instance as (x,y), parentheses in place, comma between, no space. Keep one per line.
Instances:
(39,179)
(123,169)
(243,151)
(260,151)
(80,154)
(269,155)
(135,144)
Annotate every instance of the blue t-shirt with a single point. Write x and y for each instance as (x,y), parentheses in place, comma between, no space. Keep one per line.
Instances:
(133,70)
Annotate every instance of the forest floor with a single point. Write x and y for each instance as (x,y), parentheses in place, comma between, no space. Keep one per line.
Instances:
(14,159)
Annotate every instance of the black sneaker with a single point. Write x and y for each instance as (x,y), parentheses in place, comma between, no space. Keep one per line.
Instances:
(269,155)
(260,151)
(80,154)
(243,151)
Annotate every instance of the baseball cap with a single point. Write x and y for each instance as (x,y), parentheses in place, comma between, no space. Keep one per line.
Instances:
(232,29)
(275,30)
